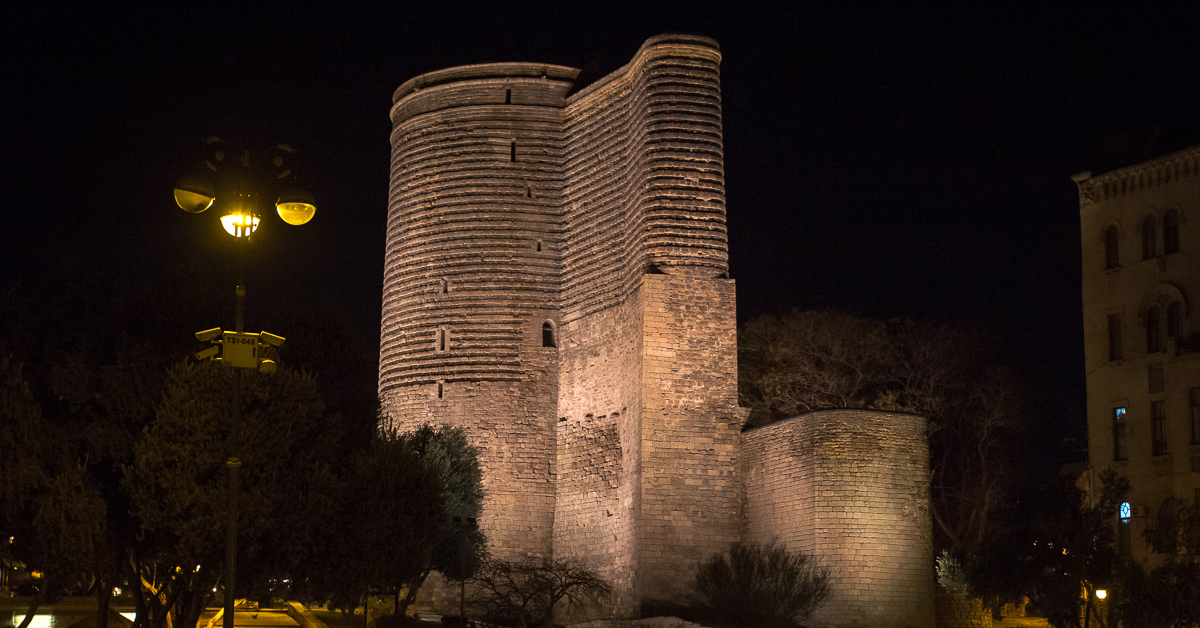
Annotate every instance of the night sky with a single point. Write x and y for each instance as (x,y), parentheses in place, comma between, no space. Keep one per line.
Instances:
(891,162)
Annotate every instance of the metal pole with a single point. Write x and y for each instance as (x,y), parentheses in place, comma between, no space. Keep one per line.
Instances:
(233,463)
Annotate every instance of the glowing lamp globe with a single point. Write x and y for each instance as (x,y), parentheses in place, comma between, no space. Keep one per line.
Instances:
(238,224)
(194,194)
(1101,593)
(296,206)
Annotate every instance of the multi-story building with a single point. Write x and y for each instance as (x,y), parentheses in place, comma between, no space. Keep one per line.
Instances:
(1140,228)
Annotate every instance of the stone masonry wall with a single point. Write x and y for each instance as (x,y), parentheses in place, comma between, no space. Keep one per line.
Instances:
(472,273)
(690,431)
(645,184)
(599,448)
(851,489)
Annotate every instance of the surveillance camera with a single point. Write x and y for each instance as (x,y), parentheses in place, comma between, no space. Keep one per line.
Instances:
(208,334)
(208,353)
(271,339)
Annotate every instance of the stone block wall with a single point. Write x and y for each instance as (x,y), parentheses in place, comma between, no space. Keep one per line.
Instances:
(599,446)
(690,431)
(851,489)
(472,273)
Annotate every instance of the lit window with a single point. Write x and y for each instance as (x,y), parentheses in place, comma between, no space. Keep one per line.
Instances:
(1112,256)
(1171,231)
(1154,330)
(1124,512)
(1114,337)
(1120,447)
(1158,427)
(1149,238)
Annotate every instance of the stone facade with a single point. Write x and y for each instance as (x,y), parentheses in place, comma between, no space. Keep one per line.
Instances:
(850,487)
(1141,347)
(557,284)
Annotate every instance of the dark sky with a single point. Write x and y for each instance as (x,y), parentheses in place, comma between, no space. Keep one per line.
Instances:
(893,162)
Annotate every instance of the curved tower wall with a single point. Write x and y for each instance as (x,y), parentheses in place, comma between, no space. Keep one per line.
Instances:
(472,273)
(851,489)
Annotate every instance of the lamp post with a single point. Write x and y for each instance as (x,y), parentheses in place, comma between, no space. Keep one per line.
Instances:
(239,185)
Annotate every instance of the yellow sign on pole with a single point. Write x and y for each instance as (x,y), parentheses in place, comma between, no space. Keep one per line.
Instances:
(240,350)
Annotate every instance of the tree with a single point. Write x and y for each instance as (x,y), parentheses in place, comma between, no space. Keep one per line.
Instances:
(807,361)
(525,592)
(54,514)
(1169,594)
(402,499)
(177,484)
(761,585)
(1049,546)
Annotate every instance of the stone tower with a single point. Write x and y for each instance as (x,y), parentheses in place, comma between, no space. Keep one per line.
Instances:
(557,283)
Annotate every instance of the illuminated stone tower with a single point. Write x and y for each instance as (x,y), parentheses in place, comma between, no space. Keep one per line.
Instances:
(557,283)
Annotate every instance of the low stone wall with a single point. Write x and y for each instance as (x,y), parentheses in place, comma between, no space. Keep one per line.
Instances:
(850,488)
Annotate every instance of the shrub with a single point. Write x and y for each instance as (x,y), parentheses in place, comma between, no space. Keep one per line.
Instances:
(524,593)
(761,585)
(950,573)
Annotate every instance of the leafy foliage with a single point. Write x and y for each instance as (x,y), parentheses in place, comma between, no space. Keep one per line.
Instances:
(1049,545)
(807,361)
(761,585)
(178,481)
(1169,594)
(525,592)
(399,504)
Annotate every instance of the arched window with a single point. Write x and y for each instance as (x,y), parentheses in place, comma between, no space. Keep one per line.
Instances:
(1154,330)
(548,335)
(1112,256)
(1149,238)
(1175,321)
(1171,231)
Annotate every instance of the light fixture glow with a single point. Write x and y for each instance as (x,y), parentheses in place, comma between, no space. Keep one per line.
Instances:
(1101,593)
(239,225)
(194,194)
(296,206)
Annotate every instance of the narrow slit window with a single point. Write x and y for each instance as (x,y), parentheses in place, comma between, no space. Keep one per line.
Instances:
(445,286)
(1158,427)
(1114,338)
(1171,231)
(1112,257)
(1194,398)
(538,246)
(440,390)
(1175,320)
(1154,330)
(1120,445)
(508,96)
(1149,238)
(548,335)
(441,340)
(512,151)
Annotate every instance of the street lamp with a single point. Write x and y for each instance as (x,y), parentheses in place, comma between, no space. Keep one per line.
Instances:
(238,187)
